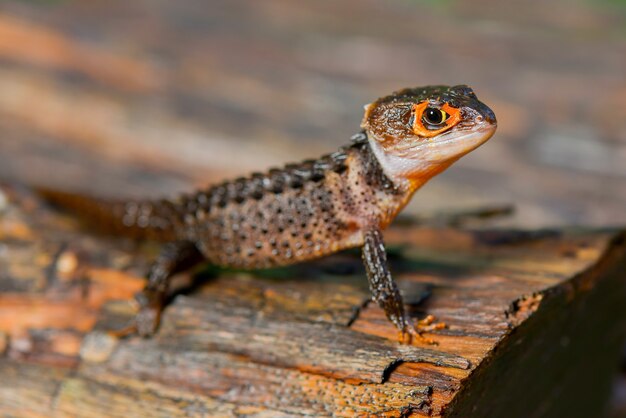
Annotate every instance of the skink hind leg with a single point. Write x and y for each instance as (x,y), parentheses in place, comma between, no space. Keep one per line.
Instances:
(175,257)
(386,293)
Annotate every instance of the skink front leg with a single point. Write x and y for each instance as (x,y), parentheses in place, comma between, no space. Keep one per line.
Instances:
(384,289)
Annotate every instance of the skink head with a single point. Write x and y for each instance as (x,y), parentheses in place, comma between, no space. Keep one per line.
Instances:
(416,133)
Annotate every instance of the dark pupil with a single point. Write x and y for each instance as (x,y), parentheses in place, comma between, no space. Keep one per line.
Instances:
(434,116)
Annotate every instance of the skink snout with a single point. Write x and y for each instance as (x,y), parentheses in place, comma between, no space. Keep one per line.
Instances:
(485,113)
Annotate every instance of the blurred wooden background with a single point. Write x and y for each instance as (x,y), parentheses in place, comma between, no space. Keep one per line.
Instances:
(194,91)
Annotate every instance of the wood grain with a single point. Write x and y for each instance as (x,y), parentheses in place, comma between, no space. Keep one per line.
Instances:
(538,309)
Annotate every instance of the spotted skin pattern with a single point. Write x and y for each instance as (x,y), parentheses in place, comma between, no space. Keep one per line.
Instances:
(299,213)
(302,211)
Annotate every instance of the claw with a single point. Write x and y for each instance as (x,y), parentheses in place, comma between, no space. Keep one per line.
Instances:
(410,331)
(144,324)
(130,329)
(147,320)
(428,324)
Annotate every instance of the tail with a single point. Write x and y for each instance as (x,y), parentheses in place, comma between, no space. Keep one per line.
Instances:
(136,219)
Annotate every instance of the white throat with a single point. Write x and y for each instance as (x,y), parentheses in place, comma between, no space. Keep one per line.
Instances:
(397,168)
(421,161)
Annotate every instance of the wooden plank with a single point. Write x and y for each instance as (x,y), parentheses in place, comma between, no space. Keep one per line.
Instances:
(299,341)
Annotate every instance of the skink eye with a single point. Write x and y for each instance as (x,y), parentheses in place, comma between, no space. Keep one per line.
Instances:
(430,121)
(434,116)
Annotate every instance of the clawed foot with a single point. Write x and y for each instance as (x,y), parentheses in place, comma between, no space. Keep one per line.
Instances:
(410,331)
(146,321)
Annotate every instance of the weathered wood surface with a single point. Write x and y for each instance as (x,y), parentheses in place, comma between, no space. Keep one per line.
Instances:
(533,318)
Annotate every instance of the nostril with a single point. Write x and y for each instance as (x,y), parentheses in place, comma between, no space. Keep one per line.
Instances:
(489,115)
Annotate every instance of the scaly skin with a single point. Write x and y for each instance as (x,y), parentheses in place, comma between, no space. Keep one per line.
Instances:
(312,209)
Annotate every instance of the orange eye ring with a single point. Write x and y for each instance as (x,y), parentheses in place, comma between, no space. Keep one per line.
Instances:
(450,117)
